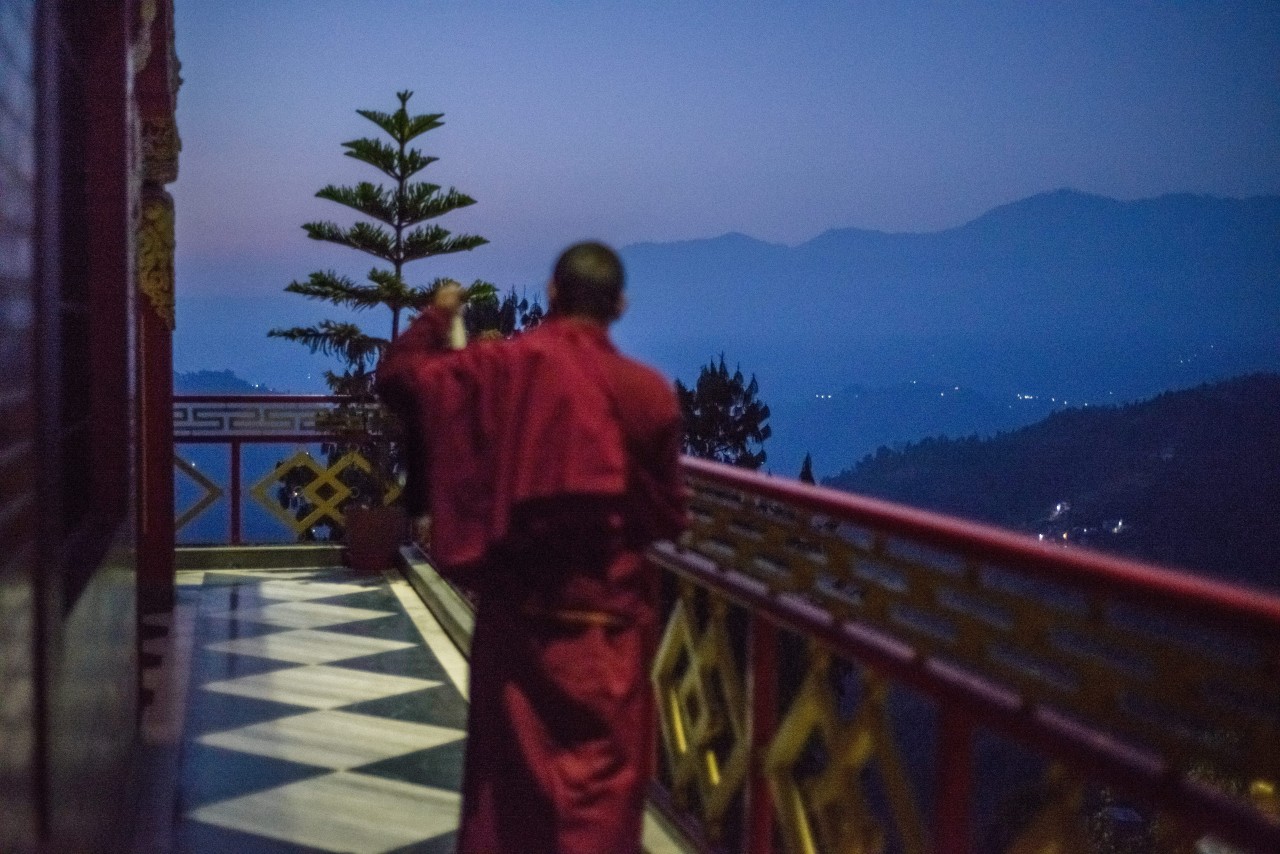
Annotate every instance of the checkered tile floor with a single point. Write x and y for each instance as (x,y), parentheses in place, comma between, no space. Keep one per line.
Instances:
(317,719)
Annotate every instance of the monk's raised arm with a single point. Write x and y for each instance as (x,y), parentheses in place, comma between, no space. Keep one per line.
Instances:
(426,337)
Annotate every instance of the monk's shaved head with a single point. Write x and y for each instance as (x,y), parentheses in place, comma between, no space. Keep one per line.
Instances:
(587,281)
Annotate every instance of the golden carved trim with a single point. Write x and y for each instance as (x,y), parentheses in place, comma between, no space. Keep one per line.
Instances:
(160,147)
(155,254)
(141,50)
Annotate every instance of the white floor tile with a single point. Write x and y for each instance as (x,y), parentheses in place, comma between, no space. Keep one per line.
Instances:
(341,812)
(302,589)
(319,686)
(302,615)
(307,646)
(437,639)
(333,739)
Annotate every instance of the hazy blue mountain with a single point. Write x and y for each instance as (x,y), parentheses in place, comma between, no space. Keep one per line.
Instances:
(844,426)
(1189,478)
(214,382)
(1063,294)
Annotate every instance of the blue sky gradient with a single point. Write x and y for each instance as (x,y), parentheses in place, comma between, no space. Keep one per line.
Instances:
(662,121)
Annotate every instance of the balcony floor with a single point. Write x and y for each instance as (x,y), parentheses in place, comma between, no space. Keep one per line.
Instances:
(324,711)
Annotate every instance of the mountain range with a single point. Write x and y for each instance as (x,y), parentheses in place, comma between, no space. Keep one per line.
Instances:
(1189,478)
(1062,295)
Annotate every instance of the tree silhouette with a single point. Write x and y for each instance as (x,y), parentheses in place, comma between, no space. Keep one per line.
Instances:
(806,470)
(400,233)
(397,230)
(723,419)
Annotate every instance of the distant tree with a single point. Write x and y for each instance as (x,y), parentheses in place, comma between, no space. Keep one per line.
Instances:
(806,469)
(489,316)
(723,419)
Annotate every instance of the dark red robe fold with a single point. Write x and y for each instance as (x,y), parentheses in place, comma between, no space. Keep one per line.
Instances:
(548,463)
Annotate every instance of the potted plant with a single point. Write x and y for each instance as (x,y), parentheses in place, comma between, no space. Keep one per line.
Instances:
(396,226)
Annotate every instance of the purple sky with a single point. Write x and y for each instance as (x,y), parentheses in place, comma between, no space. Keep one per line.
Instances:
(656,120)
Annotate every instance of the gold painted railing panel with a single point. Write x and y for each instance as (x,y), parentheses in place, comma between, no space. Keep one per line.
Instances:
(1114,671)
(1206,698)
(301,492)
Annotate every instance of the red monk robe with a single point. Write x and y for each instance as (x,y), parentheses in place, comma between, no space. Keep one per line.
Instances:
(550,462)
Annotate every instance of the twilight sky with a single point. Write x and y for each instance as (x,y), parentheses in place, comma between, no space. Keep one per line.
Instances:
(660,120)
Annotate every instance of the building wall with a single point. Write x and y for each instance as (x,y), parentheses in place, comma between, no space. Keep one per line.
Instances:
(18,498)
(72,158)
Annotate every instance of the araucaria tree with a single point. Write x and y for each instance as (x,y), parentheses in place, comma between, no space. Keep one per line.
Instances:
(723,419)
(397,230)
(401,232)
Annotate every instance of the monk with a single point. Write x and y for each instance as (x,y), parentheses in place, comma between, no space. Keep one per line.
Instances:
(548,463)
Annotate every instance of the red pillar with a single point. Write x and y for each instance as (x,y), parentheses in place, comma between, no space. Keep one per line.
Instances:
(763,691)
(955,781)
(155,88)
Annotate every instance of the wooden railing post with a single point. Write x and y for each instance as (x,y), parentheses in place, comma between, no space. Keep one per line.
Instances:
(763,692)
(955,781)
(235,492)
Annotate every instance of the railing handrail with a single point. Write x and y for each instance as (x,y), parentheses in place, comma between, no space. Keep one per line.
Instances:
(803,558)
(1223,602)
(1228,603)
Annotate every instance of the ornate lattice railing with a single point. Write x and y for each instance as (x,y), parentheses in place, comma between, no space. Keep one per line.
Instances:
(841,674)
(307,455)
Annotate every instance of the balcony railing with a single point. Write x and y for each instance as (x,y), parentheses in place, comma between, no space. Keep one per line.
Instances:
(912,683)
(842,674)
(301,464)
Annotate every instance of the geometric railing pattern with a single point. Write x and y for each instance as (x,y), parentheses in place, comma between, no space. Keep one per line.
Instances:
(300,492)
(1151,683)
(247,416)
(800,613)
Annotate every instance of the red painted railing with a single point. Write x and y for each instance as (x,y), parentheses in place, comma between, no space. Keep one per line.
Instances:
(1103,666)
(1159,689)
(237,421)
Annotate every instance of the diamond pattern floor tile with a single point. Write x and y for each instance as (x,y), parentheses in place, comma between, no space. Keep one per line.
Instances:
(287,750)
(332,739)
(322,813)
(301,590)
(303,615)
(440,767)
(308,646)
(319,686)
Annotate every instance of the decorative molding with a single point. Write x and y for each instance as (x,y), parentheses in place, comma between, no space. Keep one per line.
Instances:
(160,147)
(142,47)
(155,254)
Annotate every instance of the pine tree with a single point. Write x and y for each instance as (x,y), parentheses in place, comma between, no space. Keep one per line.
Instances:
(723,420)
(397,230)
(401,232)
(806,469)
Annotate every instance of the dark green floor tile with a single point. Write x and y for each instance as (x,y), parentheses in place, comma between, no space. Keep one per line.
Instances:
(439,706)
(213,711)
(196,837)
(212,774)
(438,767)
(417,662)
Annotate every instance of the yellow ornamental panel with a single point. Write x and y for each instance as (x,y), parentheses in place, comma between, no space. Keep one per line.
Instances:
(701,710)
(826,812)
(1057,827)
(212,492)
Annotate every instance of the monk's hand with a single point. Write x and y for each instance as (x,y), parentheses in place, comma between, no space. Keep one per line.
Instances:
(449,297)
(422,530)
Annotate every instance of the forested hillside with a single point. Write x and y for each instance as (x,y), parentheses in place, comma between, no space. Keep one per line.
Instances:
(1190,478)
